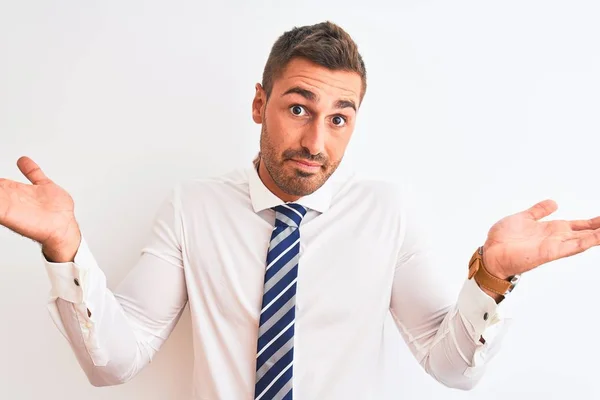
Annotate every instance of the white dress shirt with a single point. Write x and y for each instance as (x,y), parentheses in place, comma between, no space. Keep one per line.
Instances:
(362,257)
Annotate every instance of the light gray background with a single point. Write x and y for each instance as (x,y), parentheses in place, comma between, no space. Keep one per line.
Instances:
(484,108)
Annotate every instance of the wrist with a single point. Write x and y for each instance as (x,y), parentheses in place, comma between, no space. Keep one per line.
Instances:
(65,248)
(490,278)
(492,266)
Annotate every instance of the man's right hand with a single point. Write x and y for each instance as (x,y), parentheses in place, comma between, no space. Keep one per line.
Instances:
(42,211)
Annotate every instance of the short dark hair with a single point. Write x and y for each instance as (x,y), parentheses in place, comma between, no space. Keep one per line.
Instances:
(325,44)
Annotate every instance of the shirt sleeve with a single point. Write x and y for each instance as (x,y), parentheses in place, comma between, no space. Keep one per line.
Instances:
(452,338)
(115,334)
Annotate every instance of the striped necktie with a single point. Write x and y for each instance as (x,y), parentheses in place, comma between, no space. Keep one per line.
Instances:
(275,350)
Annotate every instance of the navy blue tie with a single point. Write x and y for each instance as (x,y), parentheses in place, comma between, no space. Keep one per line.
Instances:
(275,350)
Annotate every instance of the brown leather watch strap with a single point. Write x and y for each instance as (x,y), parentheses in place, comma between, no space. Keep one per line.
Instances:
(484,278)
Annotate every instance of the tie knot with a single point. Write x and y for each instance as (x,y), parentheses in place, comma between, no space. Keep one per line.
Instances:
(289,214)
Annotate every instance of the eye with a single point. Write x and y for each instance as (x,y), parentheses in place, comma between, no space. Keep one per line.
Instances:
(339,121)
(298,110)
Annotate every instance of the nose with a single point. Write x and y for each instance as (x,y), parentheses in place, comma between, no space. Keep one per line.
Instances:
(313,139)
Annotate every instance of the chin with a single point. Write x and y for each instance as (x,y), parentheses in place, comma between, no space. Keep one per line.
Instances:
(307,186)
(305,175)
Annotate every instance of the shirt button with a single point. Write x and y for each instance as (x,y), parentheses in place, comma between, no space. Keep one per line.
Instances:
(485,316)
(76,281)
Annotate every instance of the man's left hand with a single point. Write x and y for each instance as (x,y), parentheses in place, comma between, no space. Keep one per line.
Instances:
(521,242)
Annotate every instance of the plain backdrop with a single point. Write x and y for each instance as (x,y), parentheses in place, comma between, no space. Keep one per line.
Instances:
(483,108)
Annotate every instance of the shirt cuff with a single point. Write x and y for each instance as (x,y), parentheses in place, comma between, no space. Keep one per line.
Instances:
(81,283)
(478,310)
(70,281)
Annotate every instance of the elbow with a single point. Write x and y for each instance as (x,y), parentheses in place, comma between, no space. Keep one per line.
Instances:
(112,374)
(104,383)
(456,377)
(101,379)
(461,383)
(116,371)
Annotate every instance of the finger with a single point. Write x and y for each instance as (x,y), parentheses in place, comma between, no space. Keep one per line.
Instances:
(32,171)
(582,241)
(542,209)
(585,224)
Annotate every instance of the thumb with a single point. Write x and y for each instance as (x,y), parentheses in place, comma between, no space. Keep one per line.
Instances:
(541,209)
(32,171)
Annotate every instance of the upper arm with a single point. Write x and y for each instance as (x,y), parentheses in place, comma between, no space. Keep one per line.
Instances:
(421,298)
(154,292)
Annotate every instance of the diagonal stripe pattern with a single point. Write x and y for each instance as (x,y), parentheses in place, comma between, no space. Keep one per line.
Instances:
(275,350)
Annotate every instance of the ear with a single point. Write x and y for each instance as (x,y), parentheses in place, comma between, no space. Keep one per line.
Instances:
(258,104)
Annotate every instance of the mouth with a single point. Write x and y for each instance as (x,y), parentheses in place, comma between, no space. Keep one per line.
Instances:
(306,165)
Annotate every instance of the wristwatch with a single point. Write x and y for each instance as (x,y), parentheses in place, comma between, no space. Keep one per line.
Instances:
(488,281)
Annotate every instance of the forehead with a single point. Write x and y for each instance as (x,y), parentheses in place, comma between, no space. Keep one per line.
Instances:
(324,82)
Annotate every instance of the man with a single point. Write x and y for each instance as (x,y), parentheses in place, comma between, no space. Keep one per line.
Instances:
(289,269)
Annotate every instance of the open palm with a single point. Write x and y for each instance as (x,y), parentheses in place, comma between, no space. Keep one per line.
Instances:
(42,211)
(521,242)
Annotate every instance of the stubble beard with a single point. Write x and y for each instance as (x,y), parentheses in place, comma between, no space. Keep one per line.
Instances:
(295,182)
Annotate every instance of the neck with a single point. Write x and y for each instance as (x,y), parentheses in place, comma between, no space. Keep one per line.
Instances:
(268,181)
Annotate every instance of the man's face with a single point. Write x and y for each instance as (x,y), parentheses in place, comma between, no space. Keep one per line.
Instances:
(306,124)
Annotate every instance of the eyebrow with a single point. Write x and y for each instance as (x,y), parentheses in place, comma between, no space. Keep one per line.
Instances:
(345,104)
(307,94)
(310,96)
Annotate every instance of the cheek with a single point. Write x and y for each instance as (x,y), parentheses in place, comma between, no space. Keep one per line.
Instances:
(336,145)
(284,132)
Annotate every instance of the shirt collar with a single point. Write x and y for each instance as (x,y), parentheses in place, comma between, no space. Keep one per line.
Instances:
(262,198)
